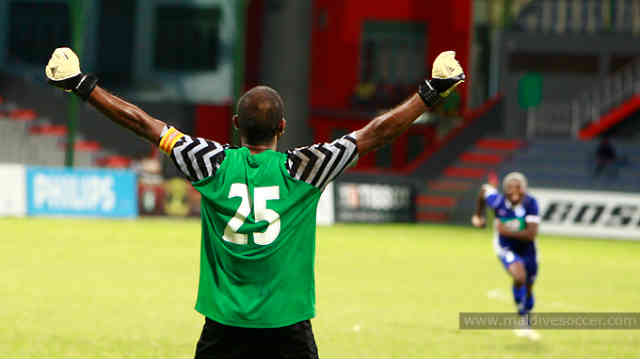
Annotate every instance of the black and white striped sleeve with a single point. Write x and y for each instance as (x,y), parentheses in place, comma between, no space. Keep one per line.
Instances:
(321,163)
(196,158)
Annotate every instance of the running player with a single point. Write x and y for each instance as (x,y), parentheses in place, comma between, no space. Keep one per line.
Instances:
(516,227)
(256,287)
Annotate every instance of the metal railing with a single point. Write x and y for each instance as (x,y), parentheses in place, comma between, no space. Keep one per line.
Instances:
(566,119)
(580,16)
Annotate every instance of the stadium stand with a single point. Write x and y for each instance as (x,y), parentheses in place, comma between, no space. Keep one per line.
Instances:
(580,16)
(439,200)
(32,139)
(566,164)
(593,111)
(547,162)
(117,148)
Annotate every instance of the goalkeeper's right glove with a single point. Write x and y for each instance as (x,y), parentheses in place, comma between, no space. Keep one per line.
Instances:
(446,75)
(63,70)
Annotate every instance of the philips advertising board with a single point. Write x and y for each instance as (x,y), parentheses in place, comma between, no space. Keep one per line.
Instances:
(81,192)
(589,213)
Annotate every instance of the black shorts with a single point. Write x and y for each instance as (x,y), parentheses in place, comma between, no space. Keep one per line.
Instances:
(223,341)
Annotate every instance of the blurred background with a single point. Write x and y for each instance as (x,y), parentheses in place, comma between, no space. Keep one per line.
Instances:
(552,91)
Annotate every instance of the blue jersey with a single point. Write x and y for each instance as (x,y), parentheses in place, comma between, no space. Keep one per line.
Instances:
(524,212)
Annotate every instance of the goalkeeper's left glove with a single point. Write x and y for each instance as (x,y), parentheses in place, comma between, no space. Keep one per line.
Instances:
(446,75)
(63,70)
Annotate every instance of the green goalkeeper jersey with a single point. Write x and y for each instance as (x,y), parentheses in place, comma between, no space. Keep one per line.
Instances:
(258,226)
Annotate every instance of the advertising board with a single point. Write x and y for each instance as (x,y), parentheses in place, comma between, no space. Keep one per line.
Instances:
(81,192)
(589,213)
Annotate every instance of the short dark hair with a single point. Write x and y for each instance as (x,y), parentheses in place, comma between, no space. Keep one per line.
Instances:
(260,111)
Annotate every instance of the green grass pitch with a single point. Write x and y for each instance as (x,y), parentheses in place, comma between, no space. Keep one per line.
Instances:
(92,288)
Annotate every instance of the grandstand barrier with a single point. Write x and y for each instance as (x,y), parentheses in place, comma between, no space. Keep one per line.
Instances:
(56,191)
(353,198)
(589,213)
(52,191)
(175,197)
(326,213)
(374,199)
(49,191)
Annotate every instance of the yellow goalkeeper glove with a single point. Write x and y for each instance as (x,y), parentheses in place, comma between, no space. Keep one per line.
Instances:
(63,70)
(446,75)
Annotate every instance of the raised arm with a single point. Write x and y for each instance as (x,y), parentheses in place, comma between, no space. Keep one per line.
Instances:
(447,74)
(127,115)
(321,163)
(196,158)
(63,70)
(386,127)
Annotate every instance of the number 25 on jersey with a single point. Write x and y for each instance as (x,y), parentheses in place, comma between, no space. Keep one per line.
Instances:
(261,213)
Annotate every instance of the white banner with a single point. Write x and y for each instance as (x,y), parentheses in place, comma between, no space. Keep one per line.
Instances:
(325,215)
(13,193)
(589,213)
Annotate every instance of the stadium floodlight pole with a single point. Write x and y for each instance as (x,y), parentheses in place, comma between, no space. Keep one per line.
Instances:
(76,12)
(241,7)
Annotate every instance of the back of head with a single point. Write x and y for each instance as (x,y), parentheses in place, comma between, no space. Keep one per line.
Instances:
(260,112)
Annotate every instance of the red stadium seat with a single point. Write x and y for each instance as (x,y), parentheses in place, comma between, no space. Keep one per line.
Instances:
(23,115)
(48,130)
(114,161)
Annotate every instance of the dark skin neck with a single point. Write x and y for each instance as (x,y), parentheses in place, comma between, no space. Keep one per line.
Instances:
(255,149)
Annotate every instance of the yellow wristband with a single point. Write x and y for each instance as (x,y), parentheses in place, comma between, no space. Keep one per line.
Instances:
(169,140)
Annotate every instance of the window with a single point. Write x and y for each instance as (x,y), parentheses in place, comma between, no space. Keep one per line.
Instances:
(393,52)
(35,30)
(187,38)
(116,29)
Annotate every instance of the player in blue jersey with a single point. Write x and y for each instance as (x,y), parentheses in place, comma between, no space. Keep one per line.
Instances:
(516,227)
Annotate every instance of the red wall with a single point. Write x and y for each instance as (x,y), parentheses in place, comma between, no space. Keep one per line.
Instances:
(213,122)
(336,42)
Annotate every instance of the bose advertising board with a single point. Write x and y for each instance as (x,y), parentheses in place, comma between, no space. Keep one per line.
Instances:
(79,192)
(589,213)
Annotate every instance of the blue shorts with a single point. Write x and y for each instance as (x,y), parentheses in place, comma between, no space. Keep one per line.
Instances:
(530,261)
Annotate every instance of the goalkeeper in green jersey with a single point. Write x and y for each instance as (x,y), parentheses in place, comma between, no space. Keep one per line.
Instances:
(256,287)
